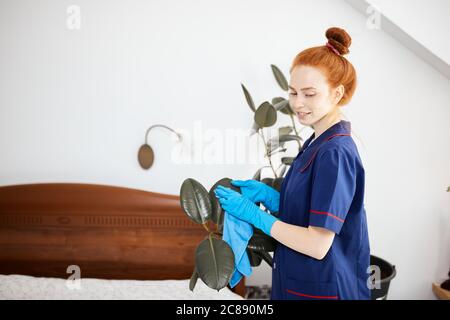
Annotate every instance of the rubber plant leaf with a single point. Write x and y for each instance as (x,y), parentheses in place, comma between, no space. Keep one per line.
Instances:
(217,215)
(265,115)
(248,97)
(279,76)
(195,201)
(193,280)
(214,259)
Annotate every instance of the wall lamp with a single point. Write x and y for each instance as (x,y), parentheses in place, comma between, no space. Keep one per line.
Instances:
(146,154)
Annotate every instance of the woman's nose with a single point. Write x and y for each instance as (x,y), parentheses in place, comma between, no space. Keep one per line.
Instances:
(297,104)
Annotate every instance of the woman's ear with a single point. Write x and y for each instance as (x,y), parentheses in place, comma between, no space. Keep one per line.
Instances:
(338,93)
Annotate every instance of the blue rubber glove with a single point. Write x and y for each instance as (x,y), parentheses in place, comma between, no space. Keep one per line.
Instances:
(259,192)
(243,208)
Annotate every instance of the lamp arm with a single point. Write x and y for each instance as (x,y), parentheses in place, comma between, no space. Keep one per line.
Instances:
(163,126)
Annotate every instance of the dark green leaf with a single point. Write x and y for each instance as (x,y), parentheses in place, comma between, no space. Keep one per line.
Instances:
(276,184)
(249,99)
(286,108)
(261,242)
(215,262)
(287,160)
(217,212)
(255,259)
(265,115)
(281,104)
(257,175)
(267,181)
(195,201)
(193,280)
(281,80)
(266,257)
(285,130)
(217,215)
(276,101)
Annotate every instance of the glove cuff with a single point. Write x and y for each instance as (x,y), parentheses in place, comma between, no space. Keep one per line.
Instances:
(259,218)
(266,222)
(272,199)
(263,220)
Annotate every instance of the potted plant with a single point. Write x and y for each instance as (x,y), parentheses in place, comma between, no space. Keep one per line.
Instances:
(442,291)
(214,257)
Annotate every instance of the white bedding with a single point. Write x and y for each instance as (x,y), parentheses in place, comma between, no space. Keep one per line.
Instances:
(27,287)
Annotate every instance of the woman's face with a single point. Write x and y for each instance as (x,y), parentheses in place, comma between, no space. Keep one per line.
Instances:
(310,96)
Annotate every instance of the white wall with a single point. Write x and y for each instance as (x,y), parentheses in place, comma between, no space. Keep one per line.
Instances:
(75,104)
(425,21)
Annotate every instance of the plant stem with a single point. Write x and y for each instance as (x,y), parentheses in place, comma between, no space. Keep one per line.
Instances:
(276,151)
(206,227)
(217,231)
(267,153)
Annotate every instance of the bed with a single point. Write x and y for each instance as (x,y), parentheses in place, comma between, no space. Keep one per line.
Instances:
(122,243)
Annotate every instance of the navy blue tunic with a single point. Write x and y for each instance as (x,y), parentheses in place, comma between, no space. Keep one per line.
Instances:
(324,187)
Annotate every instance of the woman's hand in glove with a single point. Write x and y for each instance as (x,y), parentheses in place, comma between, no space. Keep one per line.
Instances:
(243,208)
(257,191)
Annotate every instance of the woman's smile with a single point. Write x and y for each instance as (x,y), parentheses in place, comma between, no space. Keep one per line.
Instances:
(303,114)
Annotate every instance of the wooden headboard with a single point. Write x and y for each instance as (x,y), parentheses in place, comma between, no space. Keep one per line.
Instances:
(109,232)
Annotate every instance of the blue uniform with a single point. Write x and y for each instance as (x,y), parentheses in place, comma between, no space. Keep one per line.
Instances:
(324,187)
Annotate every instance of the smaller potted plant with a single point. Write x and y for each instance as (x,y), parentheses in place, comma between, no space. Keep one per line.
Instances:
(442,291)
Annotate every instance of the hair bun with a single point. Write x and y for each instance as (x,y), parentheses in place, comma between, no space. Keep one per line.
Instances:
(339,39)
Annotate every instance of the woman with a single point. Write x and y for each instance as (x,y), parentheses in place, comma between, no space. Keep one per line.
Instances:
(323,247)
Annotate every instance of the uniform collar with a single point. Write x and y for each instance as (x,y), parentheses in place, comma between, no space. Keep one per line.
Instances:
(342,128)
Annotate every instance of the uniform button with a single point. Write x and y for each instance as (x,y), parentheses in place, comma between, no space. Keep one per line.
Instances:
(274,265)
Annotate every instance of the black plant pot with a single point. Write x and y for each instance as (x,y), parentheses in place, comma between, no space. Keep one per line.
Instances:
(388,272)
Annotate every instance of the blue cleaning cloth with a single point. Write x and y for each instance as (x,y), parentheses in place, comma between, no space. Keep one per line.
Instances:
(237,233)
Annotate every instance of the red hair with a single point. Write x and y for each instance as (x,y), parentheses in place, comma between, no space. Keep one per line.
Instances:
(329,59)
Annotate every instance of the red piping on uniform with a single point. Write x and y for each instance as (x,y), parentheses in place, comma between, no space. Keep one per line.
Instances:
(327,213)
(317,149)
(309,296)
